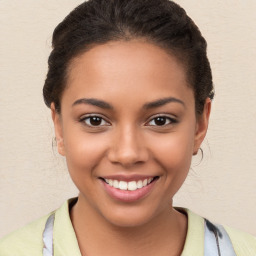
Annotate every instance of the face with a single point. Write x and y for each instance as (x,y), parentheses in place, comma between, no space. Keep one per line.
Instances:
(128,130)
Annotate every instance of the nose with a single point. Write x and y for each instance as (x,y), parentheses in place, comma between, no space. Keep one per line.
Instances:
(128,147)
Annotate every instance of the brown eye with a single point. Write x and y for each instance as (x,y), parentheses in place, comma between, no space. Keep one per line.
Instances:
(161,121)
(95,121)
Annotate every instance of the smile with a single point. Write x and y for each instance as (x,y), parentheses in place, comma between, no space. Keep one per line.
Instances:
(128,189)
(131,185)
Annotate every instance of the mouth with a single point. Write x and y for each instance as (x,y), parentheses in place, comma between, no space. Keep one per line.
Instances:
(132,185)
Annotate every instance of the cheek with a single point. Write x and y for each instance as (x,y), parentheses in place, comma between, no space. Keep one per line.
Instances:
(174,151)
(174,155)
(83,151)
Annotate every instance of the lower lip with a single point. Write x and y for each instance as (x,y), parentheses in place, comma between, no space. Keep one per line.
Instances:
(127,195)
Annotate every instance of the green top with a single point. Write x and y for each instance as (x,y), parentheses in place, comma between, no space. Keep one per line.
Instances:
(28,240)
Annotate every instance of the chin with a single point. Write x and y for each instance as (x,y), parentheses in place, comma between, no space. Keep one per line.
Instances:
(128,221)
(129,217)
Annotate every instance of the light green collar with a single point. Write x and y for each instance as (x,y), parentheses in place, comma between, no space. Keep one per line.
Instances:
(65,241)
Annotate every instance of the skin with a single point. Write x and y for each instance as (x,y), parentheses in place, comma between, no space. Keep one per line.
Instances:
(128,76)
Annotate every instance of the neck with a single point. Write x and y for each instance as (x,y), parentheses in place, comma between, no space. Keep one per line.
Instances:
(164,235)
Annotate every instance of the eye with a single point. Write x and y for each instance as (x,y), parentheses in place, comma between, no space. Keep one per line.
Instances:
(94,121)
(161,121)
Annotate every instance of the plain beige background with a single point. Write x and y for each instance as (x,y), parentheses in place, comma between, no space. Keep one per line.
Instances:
(33,178)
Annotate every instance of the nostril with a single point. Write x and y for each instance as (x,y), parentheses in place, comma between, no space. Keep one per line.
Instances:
(128,156)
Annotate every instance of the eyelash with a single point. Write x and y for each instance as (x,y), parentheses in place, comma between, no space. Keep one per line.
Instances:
(171,120)
(90,117)
(165,118)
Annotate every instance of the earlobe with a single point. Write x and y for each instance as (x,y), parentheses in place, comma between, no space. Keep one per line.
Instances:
(56,118)
(202,125)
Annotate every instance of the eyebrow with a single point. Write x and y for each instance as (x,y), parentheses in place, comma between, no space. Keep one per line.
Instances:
(149,105)
(94,102)
(161,102)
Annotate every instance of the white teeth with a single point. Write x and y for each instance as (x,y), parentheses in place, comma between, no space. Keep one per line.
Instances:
(139,184)
(115,184)
(131,185)
(123,185)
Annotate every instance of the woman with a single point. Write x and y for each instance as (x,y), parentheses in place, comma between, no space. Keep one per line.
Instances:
(129,86)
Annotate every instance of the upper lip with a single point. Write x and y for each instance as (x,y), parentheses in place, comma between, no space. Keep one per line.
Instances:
(128,177)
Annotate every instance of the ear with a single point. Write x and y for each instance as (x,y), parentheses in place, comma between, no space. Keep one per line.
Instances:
(202,125)
(56,118)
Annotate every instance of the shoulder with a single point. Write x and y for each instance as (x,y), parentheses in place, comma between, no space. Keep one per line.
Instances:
(25,241)
(243,243)
(29,239)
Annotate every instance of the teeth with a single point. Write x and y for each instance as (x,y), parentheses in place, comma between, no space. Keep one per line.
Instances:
(115,184)
(139,184)
(131,185)
(123,185)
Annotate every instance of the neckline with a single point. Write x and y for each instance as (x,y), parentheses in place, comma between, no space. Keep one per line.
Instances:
(66,241)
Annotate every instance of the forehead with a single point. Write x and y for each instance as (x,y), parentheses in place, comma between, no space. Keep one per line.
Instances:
(124,68)
(125,56)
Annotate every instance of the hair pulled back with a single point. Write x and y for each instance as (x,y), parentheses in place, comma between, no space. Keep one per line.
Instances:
(161,22)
